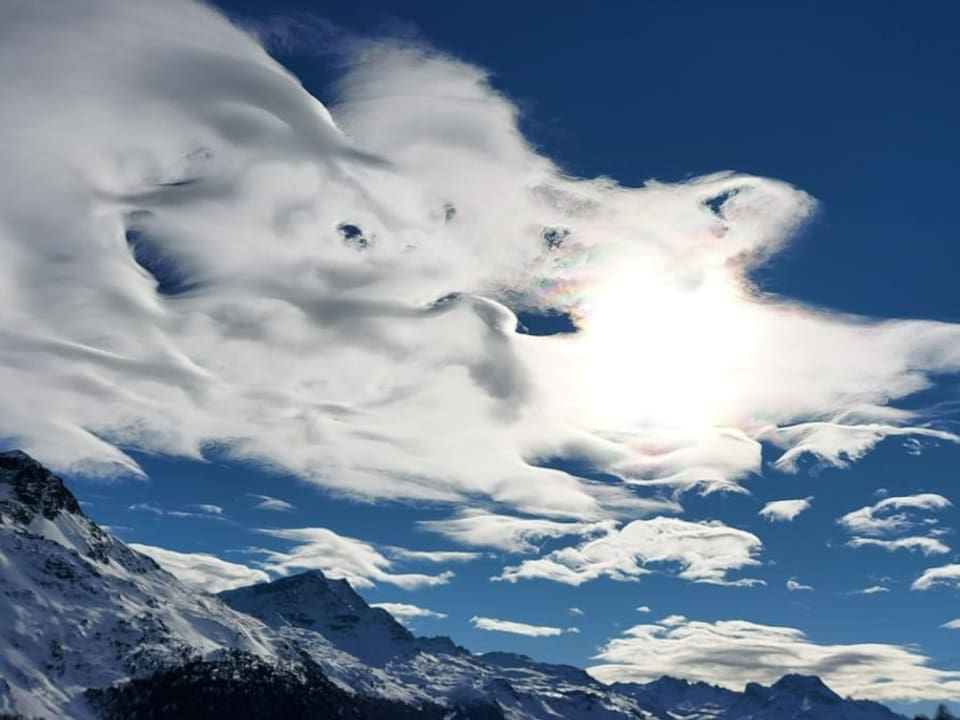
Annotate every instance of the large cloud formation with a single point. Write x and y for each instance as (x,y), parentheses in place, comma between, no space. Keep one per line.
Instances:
(198,254)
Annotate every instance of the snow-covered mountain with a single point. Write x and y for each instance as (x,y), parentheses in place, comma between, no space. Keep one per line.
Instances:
(90,628)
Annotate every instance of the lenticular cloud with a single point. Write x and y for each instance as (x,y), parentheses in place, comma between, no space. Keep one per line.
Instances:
(198,254)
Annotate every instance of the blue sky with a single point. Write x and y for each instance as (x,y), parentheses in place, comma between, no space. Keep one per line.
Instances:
(702,382)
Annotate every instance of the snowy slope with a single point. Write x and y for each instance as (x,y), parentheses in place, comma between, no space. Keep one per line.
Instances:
(80,609)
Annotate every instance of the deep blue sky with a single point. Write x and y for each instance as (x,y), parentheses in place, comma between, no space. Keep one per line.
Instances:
(855,103)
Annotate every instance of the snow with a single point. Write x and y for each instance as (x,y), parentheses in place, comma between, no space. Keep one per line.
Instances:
(82,610)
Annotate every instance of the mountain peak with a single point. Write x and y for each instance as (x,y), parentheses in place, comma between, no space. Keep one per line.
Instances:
(28,489)
(803,685)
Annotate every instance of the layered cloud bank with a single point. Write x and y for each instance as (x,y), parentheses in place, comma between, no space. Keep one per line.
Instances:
(199,255)
(734,652)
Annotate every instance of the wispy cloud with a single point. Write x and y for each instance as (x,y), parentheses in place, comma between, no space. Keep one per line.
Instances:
(406,611)
(734,652)
(518,628)
(330,290)
(794,585)
(342,557)
(872,590)
(203,571)
(266,502)
(878,525)
(948,575)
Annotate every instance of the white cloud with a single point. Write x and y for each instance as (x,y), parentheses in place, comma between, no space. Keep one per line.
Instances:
(203,571)
(207,508)
(643,609)
(883,517)
(406,611)
(926,545)
(734,652)
(266,502)
(705,552)
(340,556)
(203,512)
(517,628)
(943,575)
(435,556)
(575,611)
(952,625)
(872,590)
(504,532)
(785,510)
(793,585)
(343,354)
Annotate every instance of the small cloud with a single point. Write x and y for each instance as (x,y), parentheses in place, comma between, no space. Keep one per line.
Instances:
(271,503)
(576,611)
(926,545)
(643,609)
(943,575)
(794,586)
(518,628)
(406,611)
(785,510)
(207,508)
(872,590)
(952,625)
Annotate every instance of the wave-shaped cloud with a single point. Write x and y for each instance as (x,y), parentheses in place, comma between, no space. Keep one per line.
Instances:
(200,255)
(734,652)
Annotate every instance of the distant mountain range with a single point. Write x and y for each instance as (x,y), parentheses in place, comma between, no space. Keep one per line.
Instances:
(89,628)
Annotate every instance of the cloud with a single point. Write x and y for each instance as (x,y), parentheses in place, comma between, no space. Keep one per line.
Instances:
(202,571)
(504,532)
(932,577)
(201,511)
(872,590)
(793,585)
(882,518)
(328,291)
(518,628)
(643,609)
(952,625)
(435,556)
(734,652)
(926,545)
(271,503)
(705,552)
(341,557)
(575,611)
(207,508)
(405,611)
(785,510)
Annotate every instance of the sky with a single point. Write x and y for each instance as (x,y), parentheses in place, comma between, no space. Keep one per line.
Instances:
(622,337)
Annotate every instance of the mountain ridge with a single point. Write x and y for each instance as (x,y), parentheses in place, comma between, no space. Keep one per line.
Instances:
(104,632)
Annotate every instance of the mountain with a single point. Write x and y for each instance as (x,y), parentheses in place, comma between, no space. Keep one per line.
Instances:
(93,629)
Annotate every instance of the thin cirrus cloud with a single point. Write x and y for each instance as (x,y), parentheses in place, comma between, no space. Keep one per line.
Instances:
(794,585)
(406,612)
(330,290)
(705,551)
(732,653)
(518,628)
(203,571)
(362,564)
(872,590)
(785,510)
(267,502)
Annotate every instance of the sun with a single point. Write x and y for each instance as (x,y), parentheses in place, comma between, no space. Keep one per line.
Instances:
(659,352)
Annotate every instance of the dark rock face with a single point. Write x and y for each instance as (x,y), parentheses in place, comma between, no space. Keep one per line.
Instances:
(241,686)
(35,490)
